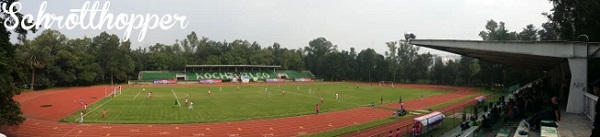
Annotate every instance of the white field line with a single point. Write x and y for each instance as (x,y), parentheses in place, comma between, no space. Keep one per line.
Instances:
(137,95)
(335,100)
(98,107)
(176,97)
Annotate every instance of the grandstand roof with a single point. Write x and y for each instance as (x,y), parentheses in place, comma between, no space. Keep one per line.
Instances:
(539,55)
(249,66)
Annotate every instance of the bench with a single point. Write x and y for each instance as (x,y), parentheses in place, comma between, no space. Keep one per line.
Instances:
(503,133)
(549,132)
(469,132)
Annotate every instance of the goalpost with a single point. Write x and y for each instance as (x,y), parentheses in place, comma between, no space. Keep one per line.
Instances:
(386,83)
(112,91)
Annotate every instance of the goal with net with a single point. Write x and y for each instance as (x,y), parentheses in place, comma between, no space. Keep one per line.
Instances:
(386,83)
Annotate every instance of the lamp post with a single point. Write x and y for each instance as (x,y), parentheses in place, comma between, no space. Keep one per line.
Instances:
(370,74)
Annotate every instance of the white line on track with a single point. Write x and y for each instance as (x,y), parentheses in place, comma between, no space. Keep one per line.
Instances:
(71,130)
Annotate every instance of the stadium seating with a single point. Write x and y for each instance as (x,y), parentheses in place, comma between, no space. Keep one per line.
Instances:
(292,74)
(261,75)
(158,75)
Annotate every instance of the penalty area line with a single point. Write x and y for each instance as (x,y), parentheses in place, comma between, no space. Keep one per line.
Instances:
(97,107)
(176,97)
(136,95)
(109,99)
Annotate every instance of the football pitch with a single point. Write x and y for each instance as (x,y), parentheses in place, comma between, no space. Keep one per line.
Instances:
(226,103)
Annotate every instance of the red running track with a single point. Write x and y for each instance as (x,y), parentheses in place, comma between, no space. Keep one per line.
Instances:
(406,124)
(43,121)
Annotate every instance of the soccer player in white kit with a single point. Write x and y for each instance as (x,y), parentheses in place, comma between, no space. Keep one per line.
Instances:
(80,117)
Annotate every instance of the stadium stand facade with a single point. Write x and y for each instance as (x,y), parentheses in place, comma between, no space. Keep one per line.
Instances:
(227,73)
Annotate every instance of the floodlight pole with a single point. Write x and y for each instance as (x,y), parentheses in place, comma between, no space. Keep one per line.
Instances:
(370,75)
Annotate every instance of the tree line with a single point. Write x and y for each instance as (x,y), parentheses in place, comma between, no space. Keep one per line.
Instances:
(52,59)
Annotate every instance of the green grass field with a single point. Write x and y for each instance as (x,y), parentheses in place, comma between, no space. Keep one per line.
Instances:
(250,102)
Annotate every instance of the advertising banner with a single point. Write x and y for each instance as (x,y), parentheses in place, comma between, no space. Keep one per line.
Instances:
(165,81)
(245,78)
(275,80)
(302,79)
(210,81)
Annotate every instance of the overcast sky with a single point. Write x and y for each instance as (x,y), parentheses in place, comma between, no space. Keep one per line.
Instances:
(293,23)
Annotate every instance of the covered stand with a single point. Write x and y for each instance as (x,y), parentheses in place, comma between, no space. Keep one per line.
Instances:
(427,122)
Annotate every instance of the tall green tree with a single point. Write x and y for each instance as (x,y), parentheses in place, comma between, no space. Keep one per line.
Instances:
(316,49)
(451,72)
(36,56)
(86,68)
(406,55)
(529,33)
(420,67)
(547,32)
(353,66)
(368,60)
(11,113)
(391,58)
(497,31)
(492,73)
(336,65)
(469,68)
(572,18)
(113,57)
(437,72)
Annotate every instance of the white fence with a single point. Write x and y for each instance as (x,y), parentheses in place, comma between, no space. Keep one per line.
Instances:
(589,105)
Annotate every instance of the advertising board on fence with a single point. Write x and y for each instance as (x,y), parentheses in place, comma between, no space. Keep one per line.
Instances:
(245,78)
(165,81)
(302,79)
(210,81)
(275,80)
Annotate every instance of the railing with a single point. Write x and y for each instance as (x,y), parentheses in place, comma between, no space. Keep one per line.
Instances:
(589,105)
(453,117)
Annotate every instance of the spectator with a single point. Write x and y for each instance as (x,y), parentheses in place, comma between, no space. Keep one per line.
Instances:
(485,122)
(464,126)
(596,124)
(415,131)
(552,114)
